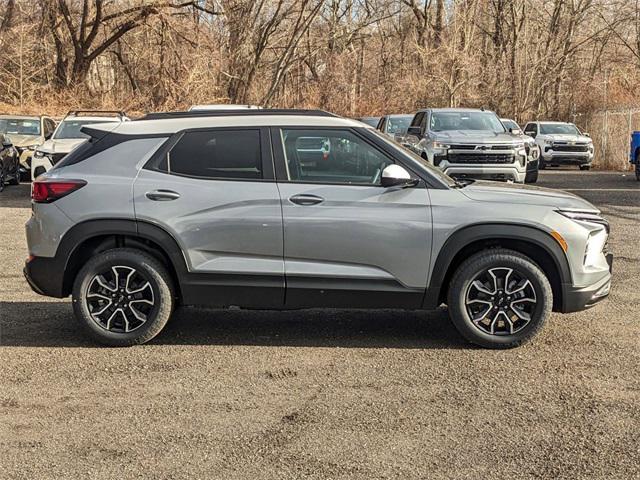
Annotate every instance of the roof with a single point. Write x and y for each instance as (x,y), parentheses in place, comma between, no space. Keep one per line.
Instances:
(170,125)
(554,121)
(456,109)
(23,117)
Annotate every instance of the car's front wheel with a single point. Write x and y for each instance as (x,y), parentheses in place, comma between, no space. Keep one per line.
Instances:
(499,298)
(15,177)
(123,297)
(585,167)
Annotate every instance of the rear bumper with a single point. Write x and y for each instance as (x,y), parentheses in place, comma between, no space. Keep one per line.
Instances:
(45,276)
(575,299)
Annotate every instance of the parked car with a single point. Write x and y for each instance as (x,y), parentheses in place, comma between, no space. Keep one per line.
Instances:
(532,149)
(634,155)
(193,208)
(26,133)
(371,121)
(395,126)
(561,143)
(68,135)
(466,142)
(9,163)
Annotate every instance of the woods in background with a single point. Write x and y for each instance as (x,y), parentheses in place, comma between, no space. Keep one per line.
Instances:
(560,59)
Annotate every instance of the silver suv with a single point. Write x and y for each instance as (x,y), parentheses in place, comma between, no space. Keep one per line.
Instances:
(218,209)
(468,143)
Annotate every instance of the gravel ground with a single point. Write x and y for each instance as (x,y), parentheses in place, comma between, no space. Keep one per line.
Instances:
(337,394)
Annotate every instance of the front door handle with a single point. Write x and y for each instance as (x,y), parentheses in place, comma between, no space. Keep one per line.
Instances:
(306,199)
(162,195)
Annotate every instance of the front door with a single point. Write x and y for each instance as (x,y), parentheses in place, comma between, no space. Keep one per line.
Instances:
(348,241)
(213,191)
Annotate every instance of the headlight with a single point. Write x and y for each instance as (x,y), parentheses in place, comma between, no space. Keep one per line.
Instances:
(595,246)
(548,142)
(440,145)
(588,217)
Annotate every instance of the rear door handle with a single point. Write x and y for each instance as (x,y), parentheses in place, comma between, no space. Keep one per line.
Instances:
(162,195)
(306,199)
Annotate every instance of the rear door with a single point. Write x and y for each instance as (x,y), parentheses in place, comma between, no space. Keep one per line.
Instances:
(213,190)
(348,241)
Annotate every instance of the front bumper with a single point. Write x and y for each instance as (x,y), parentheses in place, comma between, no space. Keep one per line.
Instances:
(575,299)
(567,158)
(486,172)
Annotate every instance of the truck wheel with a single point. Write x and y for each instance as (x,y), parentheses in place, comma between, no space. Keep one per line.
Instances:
(123,297)
(638,170)
(499,298)
(585,167)
(531,177)
(15,178)
(3,179)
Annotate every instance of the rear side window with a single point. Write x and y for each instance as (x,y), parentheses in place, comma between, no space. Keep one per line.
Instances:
(233,154)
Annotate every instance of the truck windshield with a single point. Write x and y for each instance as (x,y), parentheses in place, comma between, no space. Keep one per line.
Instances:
(481,121)
(71,128)
(558,129)
(20,126)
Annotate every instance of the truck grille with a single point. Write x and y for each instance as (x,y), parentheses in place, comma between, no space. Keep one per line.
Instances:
(478,158)
(563,147)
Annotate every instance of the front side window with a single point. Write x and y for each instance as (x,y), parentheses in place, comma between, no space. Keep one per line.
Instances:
(531,128)
(331,156)
(510,124)
(558,129)
(222,154)
(398,124)
(475,121)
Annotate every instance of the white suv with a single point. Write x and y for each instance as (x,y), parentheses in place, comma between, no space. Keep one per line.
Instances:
(67,136)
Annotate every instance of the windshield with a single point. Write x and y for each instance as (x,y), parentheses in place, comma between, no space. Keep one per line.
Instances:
(479,121)
(510,124)
(418,161)
(71,128)
(398,124)
(558,129)
(20,126)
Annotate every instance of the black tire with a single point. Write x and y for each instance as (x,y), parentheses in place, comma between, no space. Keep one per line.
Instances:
(150,270)
(541,165)
(531,177)
(638,169)
(15,179)
(3,179)
(461,285)
(585,167)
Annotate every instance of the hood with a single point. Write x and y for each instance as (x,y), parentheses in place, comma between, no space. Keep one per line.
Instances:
(24,140)
(483,191)
(63,145)
(474,136)
(567,138)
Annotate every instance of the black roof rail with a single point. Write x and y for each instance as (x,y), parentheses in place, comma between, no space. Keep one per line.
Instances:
(76,113)
(237,113)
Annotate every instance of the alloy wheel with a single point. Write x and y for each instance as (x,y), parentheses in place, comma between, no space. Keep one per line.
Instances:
(121,299)
(500,301)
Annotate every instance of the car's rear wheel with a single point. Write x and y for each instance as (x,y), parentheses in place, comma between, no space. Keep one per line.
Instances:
(499,298)
(123,297)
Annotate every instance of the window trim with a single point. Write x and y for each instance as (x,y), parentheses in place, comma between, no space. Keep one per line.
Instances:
(266,155)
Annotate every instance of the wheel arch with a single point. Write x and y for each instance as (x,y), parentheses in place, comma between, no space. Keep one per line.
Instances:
(537,244)
(89,238)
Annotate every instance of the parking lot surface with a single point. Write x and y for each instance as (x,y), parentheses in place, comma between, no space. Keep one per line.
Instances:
(332,394)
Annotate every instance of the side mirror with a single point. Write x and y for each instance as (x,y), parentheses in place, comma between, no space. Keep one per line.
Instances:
(530,133)
(586,134)
(396,176)
(515,131)
(415,131)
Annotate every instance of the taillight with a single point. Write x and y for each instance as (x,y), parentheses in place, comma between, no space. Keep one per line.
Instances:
(50,190)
